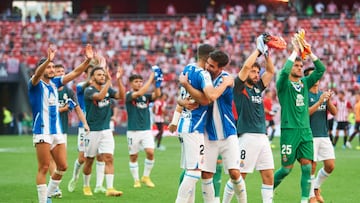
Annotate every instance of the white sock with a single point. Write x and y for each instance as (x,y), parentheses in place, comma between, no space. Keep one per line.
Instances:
(87,180)
(100,173)
(134,169)
(187,186)
(228,192)
(217,200)
(312,182)
(321,177)
(42,193)
(240,189)
(109,180)
(192,196)
(76,171)
(208,190)
(267,192)
(53,184)
(149,164)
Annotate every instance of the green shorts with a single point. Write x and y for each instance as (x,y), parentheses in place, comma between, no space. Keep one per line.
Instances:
(296,144)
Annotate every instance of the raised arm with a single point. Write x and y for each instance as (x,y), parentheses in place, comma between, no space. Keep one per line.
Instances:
(121,93)
(269,71)
(244,72)
(144,88)
(89,54)
(330,105)
(41,68)
(324,97)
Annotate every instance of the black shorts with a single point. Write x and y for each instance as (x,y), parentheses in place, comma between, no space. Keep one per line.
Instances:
(330,124)
(270,123)
(342,125)
(357,126)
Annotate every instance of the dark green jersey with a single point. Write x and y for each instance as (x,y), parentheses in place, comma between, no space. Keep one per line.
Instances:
(98,113)
(65,94)
(250,108)
(138,111)
(318,120)
(294,96)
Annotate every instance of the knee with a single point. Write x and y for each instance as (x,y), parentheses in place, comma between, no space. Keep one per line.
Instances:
(206,175)
(234,174)
(62,167)
(108,158)
(329,168)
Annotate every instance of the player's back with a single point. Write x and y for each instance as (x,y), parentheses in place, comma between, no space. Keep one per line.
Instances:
(193,120)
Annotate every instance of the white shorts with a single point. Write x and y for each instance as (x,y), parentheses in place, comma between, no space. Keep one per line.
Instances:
(323,149)
(53,140)
(80,140)
(137,140)
(227,148)
(99,142)
(255,153)
(192,150)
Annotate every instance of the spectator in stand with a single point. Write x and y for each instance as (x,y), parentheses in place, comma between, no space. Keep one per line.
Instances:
(332,8)
(319,8)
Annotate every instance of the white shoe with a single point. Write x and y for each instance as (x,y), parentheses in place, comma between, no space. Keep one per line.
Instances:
(72,185)
(99,189)
(161,148)
(348,145)
(57,193)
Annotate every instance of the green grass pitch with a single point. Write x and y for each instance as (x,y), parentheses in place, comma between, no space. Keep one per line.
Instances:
(18,169)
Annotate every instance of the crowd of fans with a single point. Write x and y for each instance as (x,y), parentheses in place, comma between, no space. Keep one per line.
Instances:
(171,44)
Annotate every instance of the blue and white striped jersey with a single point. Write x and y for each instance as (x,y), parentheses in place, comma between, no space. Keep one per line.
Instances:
(220,122)
(194,120)
(81,100)
(45,107)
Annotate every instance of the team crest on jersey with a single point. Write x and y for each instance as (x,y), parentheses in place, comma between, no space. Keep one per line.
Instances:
(312,100)
(284,158)
(65,97)
(297,85)
(242,164)
(299,100)
(257,91)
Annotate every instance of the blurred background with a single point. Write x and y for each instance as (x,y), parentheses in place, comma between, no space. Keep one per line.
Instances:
(140,33)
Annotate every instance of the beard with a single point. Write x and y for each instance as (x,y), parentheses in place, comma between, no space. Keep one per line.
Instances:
(48,77)
(98,82)
(295,76)
(250,81)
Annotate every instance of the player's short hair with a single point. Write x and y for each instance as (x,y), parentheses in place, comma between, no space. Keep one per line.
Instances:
(220,57)
(256,65)
(134,77)
(95,69)
(307,71)
(203,51)
(298,59)
(41,61)
(88,67)
(59,66)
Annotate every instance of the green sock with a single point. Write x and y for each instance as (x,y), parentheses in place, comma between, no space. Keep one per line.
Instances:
(181,178)
(217,179)
(280,175)
(305,180)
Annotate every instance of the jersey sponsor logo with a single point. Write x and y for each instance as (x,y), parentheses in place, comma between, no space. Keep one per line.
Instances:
(300,100)
(322,107)
(103,103)
(141,105)
(284,158)
(256,99)
(52,100)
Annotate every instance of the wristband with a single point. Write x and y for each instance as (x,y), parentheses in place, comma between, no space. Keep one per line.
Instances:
(175,118)
(293,55)
(313,57)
